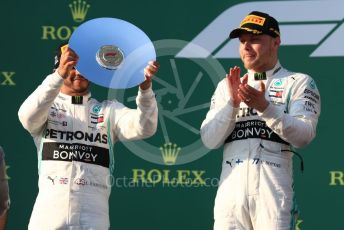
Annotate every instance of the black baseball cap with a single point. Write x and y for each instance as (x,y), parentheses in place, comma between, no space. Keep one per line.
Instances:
(257,23)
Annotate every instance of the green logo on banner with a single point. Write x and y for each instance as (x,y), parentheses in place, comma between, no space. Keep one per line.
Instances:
(7,78)
(79,10)
(336,178)
(298,223)
(170,153)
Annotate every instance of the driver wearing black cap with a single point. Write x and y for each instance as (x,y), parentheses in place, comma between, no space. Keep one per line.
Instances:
(259,118)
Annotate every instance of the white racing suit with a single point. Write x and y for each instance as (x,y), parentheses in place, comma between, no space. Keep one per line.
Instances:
(74,137)
(256,185)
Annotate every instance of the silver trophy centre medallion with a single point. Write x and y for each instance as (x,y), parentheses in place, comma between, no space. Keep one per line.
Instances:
(110,57)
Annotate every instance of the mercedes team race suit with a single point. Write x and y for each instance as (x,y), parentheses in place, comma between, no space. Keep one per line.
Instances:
(74,136)
(256,184)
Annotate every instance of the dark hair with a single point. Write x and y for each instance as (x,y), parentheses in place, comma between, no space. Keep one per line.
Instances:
(58,55)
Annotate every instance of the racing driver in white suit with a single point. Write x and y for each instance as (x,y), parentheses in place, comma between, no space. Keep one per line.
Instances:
(74,135)
(259,118)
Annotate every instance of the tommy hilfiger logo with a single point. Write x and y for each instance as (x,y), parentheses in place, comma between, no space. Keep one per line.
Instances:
(63,180)
(276,93)
(97,119)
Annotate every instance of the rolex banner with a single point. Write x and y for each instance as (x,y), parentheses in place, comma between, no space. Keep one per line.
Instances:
(169,181)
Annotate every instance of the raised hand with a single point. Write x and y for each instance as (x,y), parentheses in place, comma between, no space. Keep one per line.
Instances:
(149,72)
(233,80)
(68,61)
(252,97)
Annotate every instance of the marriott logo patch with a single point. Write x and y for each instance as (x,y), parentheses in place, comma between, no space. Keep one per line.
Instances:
(76,152)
